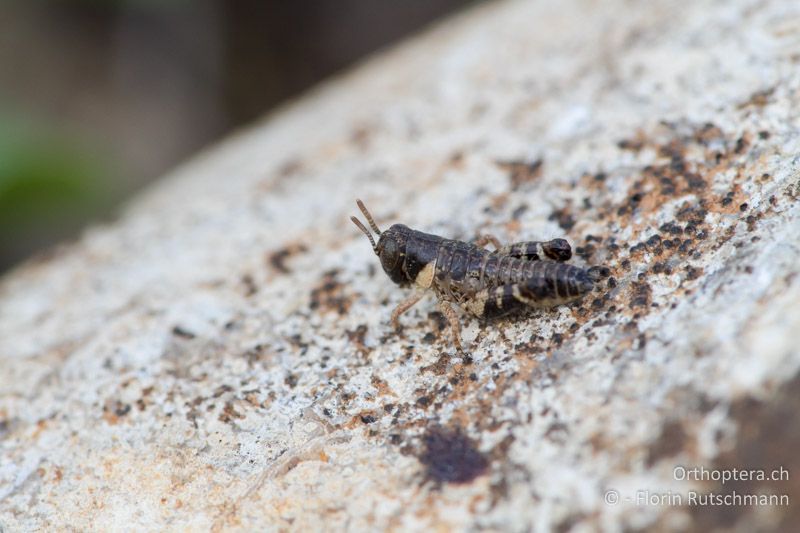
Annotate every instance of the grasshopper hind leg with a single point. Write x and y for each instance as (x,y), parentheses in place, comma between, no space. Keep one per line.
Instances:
(554,250)
(495,303)
(539,292)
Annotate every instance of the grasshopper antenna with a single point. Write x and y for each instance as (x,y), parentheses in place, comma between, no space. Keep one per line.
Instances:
(371,223)
(364,230)
(368,216)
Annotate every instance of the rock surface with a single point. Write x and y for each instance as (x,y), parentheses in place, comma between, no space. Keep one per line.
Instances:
(220,357)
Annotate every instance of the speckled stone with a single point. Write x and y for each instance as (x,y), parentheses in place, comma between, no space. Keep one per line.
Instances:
(220,356)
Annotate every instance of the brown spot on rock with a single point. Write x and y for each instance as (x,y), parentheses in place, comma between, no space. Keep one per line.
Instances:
(114,410)
(521,172)
(767,437)
(449,456)
(357,337)
(423,401)
(672,441)
(563,218)
(182,332)
(368,417)
(278,258)
(641,294)
(361,135)
(249,285)
(634,144)
(229,413)
(440,366)
(329,295)
(381,385)
(290,168)
(759,98)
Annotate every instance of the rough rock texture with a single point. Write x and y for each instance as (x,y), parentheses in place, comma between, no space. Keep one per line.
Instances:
(220,356)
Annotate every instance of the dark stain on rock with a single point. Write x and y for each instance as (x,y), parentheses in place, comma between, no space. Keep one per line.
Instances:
(182,332)
(557,339)
(759,98)
(291,380)
(440,366)
(519,211)
(290,168)
(193,412)
(708,134)
(557,432)
(329,295)
(449,456)
(767,438)
(423,401)
(255,354)
(456,159)
(222,389)
(661,267)
(521,172)
(142,402)
(368,418)
(297,341)
(380,385)
(121,409)
(357,338)
(672,441)
(693,272)
(114,410)
(641,294)
(278,258)
(438,321)
(634,144)
(229,413)
(654,242)
(571,521)
(585,252)
(742,143)
(361,135)
(249,285)
(563,218)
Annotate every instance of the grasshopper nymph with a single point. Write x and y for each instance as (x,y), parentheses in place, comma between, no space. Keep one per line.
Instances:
(486,283)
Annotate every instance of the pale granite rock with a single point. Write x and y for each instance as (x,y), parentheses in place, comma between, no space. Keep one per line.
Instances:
(220,356)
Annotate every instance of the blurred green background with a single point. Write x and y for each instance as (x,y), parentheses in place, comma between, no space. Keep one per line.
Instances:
(99,97)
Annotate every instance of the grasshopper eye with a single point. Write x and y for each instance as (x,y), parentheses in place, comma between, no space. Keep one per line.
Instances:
(389,255)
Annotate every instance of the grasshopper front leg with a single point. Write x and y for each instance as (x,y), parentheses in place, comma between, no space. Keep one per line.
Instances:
(404,306)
